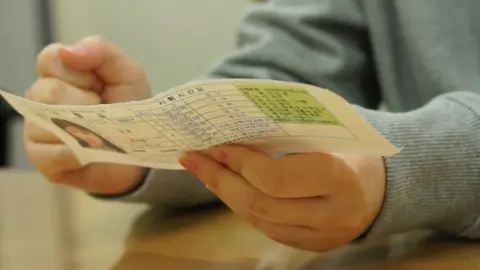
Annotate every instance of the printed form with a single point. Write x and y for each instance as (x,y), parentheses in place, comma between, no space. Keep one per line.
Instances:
(271,116)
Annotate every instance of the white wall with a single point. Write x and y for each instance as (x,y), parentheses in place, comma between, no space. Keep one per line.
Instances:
(174,40)
(19,44)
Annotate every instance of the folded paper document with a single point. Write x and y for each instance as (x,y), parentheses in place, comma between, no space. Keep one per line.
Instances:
(271,116)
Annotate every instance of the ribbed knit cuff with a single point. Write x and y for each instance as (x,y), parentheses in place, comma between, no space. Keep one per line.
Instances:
(433,183)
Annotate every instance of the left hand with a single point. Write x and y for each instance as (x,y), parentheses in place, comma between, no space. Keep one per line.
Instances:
(91,72)
(314,201)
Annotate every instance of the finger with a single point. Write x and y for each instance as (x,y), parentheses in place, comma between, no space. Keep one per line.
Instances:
(60,166)
(54,91)
(49,64)
(250,164)
(35,133)
(58,92)
(121,73)
(299,237)
(238,194)
(291,176)
(108,60)
(52,160)
(96,178)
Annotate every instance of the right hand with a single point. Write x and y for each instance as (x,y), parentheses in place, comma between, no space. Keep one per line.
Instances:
(92,71)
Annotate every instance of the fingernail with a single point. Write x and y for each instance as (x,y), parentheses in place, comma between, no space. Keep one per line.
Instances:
(78,49)
(189,163)
(221,156)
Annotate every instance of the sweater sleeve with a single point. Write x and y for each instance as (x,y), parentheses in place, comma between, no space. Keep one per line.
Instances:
(434,182)
(318,42)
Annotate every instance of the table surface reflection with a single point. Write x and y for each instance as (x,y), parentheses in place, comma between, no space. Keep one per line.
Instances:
(43,226)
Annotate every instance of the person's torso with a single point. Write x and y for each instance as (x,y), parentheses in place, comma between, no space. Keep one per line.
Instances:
(424,48)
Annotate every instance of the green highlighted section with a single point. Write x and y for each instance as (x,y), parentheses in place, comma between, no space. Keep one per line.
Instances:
(288,104)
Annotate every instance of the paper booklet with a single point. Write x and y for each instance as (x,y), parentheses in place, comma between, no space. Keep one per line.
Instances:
(270,116)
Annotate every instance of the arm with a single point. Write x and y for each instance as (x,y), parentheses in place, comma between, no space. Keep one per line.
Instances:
(320,42)
(433,183)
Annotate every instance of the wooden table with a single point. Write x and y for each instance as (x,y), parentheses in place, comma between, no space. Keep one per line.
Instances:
(48,227)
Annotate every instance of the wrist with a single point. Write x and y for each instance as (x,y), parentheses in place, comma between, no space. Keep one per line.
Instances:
(370,171)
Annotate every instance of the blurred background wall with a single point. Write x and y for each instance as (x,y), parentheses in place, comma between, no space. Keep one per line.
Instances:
(24,30)
(174,40)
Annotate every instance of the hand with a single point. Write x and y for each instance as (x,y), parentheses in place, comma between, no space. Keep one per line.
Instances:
(91,72)
(315,202)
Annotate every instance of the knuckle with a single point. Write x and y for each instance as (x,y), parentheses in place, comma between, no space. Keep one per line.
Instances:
(47,55)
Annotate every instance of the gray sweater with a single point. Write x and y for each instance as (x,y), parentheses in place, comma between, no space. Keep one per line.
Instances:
(420,58)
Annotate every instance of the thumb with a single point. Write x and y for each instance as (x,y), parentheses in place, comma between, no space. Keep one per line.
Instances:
(110,63)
